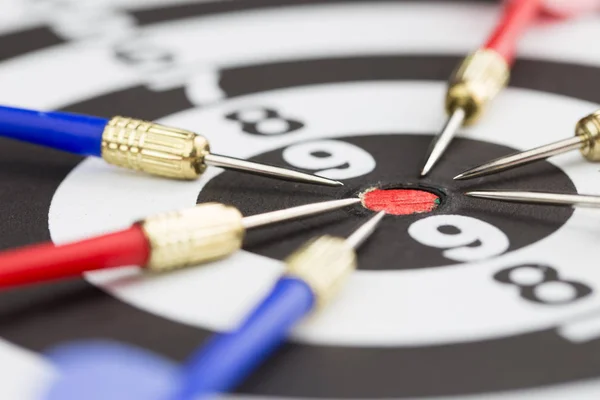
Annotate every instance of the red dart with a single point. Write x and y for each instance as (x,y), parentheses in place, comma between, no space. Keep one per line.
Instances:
(483,74)
(159,243)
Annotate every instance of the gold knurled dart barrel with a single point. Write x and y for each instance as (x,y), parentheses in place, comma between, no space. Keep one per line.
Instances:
(153,148)
(588,128)
(477,80)
(193,236)
(324,264)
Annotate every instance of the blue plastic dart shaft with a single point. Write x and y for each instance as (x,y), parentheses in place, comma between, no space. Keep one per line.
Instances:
(74,133)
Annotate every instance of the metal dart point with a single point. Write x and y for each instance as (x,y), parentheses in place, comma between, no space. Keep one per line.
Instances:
(587,140)
(441,141)
(267,170)
(557,199)
(255,221)
(359,236)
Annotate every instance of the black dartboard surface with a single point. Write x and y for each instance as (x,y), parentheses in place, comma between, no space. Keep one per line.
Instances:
(475,299)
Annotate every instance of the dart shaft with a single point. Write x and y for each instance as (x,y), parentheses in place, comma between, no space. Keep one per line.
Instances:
(46,262)
(74,133)
(517,17)
(228,358)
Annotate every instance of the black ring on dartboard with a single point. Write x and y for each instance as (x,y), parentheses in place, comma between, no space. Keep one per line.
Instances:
(43,316)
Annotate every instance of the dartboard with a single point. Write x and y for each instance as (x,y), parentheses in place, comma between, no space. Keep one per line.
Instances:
(471,298)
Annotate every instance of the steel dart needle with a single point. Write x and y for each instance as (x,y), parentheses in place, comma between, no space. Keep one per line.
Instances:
(574,200)
(158,243)
(356,239)
(314,275)
(267,170)
(587,139)
(268,218)
(134,144)
(482,75)
(441,142)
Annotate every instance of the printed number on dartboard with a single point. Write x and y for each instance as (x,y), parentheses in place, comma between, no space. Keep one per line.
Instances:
(469,239)
(334,159)
(543,284)
(264,121)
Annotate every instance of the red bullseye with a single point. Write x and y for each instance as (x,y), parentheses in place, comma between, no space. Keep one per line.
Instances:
(400,201)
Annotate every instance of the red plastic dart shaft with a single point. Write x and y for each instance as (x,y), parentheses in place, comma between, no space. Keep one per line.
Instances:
(47,261)
(518,16)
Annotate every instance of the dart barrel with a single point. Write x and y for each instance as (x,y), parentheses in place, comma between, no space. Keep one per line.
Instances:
(189,237)
(324,264)
(478,79)
(588,128)
(154,148)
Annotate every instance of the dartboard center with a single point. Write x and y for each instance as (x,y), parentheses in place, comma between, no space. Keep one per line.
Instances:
(400,201)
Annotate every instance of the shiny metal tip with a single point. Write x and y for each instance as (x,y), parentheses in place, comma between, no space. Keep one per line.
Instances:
(287,214)
(254,168)
(469,174)
(360,235)
(522,158)
(558,199)
(441,142)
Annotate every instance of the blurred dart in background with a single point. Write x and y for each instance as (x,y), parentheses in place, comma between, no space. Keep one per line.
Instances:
(111,371)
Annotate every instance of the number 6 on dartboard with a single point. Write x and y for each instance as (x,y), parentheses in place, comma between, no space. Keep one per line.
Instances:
(465,238)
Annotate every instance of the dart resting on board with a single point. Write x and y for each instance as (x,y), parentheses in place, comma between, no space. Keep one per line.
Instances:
(312,278)
(134,144)
(159,243)
(482,75)
(555,199)
(587,140)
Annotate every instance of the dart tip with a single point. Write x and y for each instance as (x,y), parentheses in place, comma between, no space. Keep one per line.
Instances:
(493,194)
(316,180)
(359,236)
(255,221)
(335,183)
(477,172)
(475,193)
(461,177)
(441,142)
